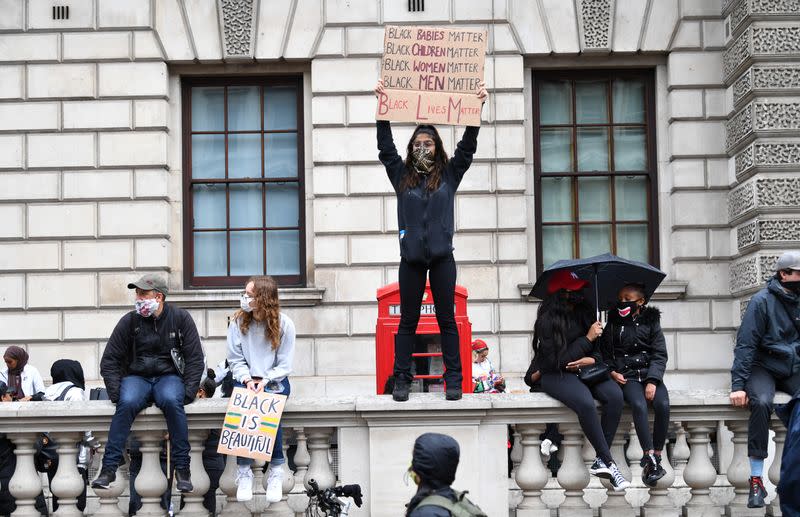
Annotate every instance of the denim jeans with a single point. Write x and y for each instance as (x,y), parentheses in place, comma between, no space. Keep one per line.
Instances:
(277,451)
(135,394)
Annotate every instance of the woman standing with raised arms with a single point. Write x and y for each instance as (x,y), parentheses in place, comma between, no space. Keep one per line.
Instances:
(425,184)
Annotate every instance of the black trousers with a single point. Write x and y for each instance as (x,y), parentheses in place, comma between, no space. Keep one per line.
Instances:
(760,389)
(411,278)
(573,393)
(633,391)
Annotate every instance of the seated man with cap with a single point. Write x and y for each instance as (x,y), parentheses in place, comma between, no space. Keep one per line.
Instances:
(154,355)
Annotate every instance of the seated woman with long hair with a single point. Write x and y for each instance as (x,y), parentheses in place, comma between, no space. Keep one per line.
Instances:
(565,341)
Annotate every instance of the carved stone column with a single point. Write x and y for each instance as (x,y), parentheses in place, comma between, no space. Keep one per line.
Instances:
(150,482)
(573,476)
(659,504)
(25,484)
(200,480)
(774,507)
(617,504)
(297,499)
(258,503)
(739,474)
(680,454)
(227,483)
(108,498)
(699,473)
(319,468)
(281,508)
(531,476)
(634,455)
(67,484)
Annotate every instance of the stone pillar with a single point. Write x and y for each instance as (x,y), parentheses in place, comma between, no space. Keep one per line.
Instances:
(634,455)
(227,483)
(516,453)
(739,474)
(319,468)
(108,498)
(25,484)
(67,484)
(281,508)
(617,504)
(150,482)
(588,455)
(573,476)
(659,504)
(680,454)
(258,503)
(200,480)
(699,473)
(531,476)
(774,507)
(298,499)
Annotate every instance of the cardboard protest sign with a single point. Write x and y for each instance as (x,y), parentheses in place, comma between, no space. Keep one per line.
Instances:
(431,75)
(251,423)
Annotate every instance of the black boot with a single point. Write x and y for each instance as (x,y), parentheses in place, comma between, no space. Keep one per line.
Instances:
(652,470)
(757,493)
(183,480)
(105,478)
(453,393)
(401,388)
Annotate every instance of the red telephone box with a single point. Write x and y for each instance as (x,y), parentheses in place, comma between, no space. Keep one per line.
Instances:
(427,364)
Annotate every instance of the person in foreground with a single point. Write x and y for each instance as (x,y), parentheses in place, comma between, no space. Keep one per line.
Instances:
(433,469)
(564,343)
(766,358)
(425,183)
(141,365)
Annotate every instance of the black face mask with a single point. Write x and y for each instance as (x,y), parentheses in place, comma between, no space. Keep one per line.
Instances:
(793,286)
(575,297)
(626,309)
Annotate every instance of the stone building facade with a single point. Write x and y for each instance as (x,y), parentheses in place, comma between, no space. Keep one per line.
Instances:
(96,165)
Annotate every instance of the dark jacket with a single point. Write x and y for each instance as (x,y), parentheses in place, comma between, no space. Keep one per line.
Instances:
(768,336)
(435,459)
(425,219)
(141,346)
(548,360)
(790,474)
(635,347)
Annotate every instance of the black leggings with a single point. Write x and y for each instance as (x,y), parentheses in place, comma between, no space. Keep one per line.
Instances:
(634,396)
(573,393)
(411,278)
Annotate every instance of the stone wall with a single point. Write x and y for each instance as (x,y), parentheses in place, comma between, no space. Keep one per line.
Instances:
(90,164)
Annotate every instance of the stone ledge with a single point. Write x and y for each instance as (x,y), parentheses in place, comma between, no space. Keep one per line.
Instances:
(211,298)
(669,290)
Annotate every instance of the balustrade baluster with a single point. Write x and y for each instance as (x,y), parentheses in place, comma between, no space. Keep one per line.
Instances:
(573,476)
(200,480)
(659,504)
(67,484)
(109,497)
(319,468)
(227,483)
(774,507)
(531,476)
(25,484)
(700,473)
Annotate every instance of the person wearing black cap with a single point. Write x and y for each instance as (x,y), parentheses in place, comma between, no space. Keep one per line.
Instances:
(153,355)
(425,184)
(766,357)
(433,469)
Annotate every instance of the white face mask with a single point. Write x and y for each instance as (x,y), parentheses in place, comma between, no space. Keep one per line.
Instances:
(244,303)
(147,307)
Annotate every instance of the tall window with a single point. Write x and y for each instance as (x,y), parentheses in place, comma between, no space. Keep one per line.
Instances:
(243,186)
(595,167)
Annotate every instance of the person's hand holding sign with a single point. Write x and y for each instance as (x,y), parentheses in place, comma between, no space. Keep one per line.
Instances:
(379,88)
(254,386)
(483,95)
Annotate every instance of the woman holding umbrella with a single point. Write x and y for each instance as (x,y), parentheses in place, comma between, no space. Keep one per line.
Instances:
(564,344)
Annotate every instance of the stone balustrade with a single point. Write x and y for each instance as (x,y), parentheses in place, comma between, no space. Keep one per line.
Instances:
(372,437)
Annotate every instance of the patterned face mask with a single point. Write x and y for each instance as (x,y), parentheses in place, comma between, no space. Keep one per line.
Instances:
(422,160)
(146,308)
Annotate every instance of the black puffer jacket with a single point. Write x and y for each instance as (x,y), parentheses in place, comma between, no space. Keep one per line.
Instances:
(635,346)
(141,346)
(425,219)
(435,459)
(549,359)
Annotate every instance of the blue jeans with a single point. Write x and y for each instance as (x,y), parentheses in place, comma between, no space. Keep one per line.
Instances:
(135,394)
(277,450)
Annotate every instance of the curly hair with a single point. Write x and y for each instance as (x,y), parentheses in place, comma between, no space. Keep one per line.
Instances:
(266,311)
(411,178)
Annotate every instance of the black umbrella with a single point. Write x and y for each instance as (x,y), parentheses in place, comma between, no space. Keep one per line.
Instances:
(607,274)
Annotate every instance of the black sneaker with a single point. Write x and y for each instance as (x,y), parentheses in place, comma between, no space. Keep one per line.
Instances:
(453,393)
(183,481)
(401,389)
(657,473)
(600,469)
(618,481)
(105,478)
(757,493)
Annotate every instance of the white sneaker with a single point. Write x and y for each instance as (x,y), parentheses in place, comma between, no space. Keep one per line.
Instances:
(244,483)
(546,446)
(275,484)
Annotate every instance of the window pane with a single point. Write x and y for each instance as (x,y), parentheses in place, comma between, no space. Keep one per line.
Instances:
(208,112)
(209,206)
(244,105)
(556,200)
(555,102)
(628,100)
(280,107)
(208,156)
(283,252)
(629,149)
(283,204)
(556,150)
(244,156)
(246,205)
(591,102)
(630,201)
(632,242)
(210,254)
(593,199)
(592,149)
(595,239)
(280,158)
(558,242)
(247,253)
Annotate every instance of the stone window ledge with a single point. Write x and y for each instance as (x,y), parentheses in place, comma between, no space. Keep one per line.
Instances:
(209,298)
(670,290)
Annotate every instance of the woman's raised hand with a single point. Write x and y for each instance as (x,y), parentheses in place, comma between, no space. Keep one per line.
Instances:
(482,93)
(594,331)
(378,88)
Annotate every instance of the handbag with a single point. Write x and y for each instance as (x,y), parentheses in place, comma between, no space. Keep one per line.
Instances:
(594,374)
(177,354)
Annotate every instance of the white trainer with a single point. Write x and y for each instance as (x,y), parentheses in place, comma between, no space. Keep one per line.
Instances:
(244,484)
(275,483)
(545,447)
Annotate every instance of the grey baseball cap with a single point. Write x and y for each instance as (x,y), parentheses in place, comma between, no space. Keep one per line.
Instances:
(789,260)
(150,282)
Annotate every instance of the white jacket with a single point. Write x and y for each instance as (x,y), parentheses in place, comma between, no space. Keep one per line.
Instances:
(251,355)
(54,391)
(32,382)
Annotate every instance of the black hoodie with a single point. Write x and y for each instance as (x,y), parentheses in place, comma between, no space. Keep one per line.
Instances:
(635,337)
(435,460)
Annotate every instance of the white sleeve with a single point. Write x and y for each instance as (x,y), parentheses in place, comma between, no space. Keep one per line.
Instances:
(37,381)
(285,353)
(236,360)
